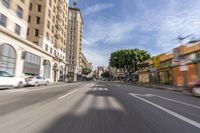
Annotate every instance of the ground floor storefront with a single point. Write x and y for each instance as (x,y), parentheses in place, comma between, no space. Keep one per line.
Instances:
(21,58)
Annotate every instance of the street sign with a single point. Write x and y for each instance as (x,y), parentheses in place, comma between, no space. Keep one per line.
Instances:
(183,68)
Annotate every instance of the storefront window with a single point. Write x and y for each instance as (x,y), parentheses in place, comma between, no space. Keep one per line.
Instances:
(7,58)
(31,64)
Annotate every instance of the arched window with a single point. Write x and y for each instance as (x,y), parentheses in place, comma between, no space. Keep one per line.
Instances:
(7,58)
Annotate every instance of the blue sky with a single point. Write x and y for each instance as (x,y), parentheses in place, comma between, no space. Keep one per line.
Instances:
(152,25)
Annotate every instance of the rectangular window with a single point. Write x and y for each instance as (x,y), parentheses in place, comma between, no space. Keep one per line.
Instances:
(30,6)
(29,18)
(6,3)
(46,47)
(47,36)
(28,32)
(52,29)
(36,32)
(50,3)
(53,19)
(19,12)
(3,20)
(51,50)
(48,25)
(17,29)
(49,14)
(37,20)
(39,8)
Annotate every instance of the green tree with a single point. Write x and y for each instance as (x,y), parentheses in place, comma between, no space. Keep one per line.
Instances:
(127,60)
(105,74)
(86,71)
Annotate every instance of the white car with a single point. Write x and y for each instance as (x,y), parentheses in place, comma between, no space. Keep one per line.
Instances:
(36,81)
(7,80)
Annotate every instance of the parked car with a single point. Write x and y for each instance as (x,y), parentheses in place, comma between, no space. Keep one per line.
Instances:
(194,88)
(36,81)
(7,80)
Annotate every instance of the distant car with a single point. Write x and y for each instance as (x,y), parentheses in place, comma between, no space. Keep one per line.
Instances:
(36,81)
(194,88)
(7,80)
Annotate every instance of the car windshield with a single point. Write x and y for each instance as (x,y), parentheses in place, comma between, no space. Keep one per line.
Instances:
(5,74)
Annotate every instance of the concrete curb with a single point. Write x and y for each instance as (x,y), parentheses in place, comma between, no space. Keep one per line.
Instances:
(172,88)
(178,89)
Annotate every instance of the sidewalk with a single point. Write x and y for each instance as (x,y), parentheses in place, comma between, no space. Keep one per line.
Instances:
(156,86)
(161,86)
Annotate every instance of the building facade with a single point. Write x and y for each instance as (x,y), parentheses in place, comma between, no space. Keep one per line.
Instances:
(47,28)
(74,43)
(179,67)
(35,38)
(17,55)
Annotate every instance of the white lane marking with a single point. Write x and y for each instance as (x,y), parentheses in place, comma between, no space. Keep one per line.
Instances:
(165,98)
(179,116)
(172,100)
(67,94)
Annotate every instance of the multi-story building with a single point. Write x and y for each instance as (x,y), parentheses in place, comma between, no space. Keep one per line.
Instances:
(47,28)
(14,16)
(33,37)
(13,29)
(74,42)
(84,62)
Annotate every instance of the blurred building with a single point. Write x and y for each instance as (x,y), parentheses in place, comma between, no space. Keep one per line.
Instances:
(47,28)
(41,37)
(115,73)
(100,70)
(18,55)
(74,43)
(179,67)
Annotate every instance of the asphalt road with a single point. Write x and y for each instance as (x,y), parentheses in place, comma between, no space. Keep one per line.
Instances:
(98,107)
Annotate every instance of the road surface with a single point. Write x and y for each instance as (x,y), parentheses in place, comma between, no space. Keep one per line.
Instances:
(97,107)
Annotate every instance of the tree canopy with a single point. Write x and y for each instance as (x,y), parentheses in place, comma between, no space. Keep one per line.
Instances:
(127,60)
(86,71)
(105,74)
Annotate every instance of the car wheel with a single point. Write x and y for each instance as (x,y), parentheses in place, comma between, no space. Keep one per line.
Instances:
(20,84)
(196,91)
(47,83)
(36,84)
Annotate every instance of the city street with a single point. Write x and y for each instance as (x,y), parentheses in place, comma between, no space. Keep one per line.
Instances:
(98,107)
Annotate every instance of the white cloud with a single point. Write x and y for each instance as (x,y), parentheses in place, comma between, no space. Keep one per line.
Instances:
(97,8)
(108,32)
(173,19)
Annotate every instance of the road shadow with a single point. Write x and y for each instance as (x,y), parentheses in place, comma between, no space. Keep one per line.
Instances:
(131,117)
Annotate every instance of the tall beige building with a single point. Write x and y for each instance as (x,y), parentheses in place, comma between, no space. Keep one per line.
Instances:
(19,56)
(14,16)
(47,28)
(74,43)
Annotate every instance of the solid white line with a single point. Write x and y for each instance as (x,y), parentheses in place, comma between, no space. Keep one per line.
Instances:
(67,94)
(181,117)
(172,100)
